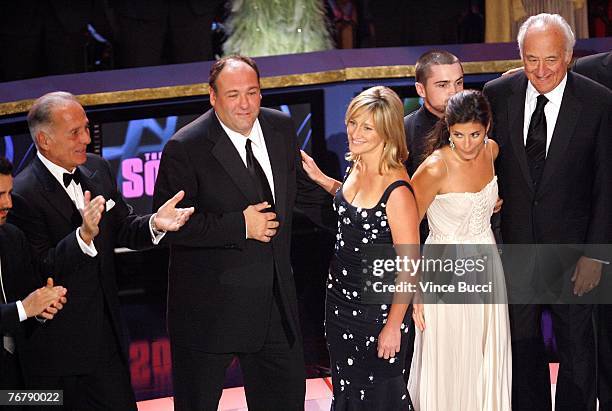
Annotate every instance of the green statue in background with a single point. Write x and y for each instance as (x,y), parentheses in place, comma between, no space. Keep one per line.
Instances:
(272,27)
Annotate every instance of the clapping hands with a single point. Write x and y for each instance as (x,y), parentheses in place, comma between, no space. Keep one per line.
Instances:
(46,301)
(91,214)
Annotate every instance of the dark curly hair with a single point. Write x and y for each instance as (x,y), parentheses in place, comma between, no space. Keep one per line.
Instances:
(464,107)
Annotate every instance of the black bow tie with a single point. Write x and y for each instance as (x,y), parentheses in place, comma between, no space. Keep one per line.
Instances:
(76,177)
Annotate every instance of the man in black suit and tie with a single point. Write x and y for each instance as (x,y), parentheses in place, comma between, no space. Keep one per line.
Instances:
(598,67)
(16,281)
(67,204)
(553,128)
(231,290)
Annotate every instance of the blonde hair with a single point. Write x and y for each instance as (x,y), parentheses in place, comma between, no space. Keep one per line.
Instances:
(387,112)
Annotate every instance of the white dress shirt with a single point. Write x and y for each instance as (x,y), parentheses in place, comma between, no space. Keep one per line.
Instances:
(551,109)
(258,144)
(75,192)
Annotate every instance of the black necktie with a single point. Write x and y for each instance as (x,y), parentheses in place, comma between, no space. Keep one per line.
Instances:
(535,146)
(258,175)
(68,177)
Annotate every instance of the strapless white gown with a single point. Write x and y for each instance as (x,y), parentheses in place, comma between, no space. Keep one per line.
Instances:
(462,360)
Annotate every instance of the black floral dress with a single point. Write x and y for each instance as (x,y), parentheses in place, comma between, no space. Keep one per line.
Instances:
(361,380)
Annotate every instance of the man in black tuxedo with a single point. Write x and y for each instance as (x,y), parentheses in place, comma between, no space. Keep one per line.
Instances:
(598,67)
(439,75)
(16,280)
(231,290)
(555,148)
(67,204)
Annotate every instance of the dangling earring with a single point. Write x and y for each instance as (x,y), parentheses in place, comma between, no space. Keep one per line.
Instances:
(486,139)
(451,143)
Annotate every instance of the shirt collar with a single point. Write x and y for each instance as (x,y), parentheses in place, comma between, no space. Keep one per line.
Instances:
(54,169)
(554,96)
(430,116)
(254,135)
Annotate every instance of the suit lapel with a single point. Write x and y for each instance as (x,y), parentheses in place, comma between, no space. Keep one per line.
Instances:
(225,152)
(564,130)
(3,267)
(276,146)
(88,181)
(516,116)
(606,66)
(56,195)
(9,264)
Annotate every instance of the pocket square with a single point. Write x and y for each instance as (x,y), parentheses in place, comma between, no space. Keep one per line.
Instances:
(110,204)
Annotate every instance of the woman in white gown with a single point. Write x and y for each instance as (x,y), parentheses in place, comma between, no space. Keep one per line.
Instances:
(462,358)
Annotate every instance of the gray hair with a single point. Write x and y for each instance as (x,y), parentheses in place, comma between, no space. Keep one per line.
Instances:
(546,19)
(40,114)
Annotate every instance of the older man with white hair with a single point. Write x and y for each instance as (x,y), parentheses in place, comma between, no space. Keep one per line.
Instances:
(553,128)
(67,204)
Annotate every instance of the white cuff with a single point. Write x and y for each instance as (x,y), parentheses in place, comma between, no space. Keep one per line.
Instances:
(90,250)
(156,235)
(22,313)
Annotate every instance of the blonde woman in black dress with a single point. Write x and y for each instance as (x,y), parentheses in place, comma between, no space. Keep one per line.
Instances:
(375,206)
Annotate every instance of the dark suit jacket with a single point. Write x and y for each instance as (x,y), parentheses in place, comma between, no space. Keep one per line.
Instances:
(70,344)
(597,67)
(9,318)
(220,284)
(572,202)
(416,126)
(18,279)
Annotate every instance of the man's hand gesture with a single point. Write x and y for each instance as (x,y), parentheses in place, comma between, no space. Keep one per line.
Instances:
(46,301)
(91,214)
(261,225)
(170,218)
